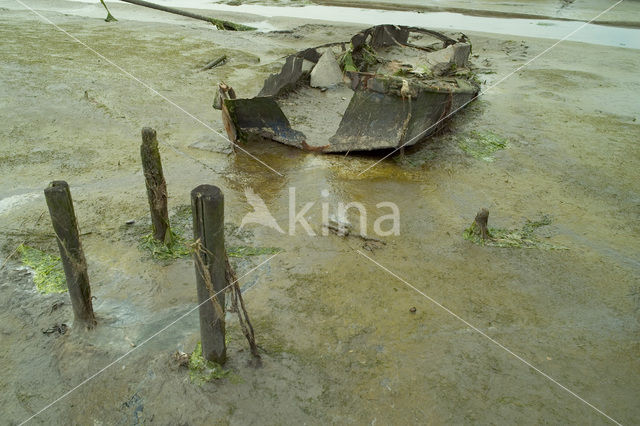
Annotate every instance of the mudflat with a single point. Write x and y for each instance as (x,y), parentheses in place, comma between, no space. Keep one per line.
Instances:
(340,341)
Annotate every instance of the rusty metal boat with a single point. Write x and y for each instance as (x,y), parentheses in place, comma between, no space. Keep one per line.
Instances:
(388,87)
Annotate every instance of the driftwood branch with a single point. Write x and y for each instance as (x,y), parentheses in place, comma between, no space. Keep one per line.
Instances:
(220,61)
(219,23)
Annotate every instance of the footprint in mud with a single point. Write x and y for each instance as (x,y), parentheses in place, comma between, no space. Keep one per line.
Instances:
(561,79)
(515,50)
(133,408)
(565,3)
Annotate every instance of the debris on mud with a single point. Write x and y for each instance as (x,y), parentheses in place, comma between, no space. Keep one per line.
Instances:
(60,329)
(343,228)
(216,62)
(181,359)
(389,87)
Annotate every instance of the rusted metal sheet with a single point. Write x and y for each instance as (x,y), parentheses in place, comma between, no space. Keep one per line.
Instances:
(261,116)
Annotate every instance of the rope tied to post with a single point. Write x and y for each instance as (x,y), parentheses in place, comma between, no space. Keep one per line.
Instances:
(237,302)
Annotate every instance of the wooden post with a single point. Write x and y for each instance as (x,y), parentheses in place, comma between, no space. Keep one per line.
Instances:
(207,203)
(65,226)
(156,185)
(481,223)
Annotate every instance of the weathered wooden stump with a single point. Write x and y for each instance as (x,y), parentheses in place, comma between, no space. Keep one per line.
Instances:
(207,203)
(65,225)
(156,185)
(481,224)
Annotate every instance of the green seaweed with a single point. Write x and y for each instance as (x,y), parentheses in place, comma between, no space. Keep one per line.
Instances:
(517,238)
(482,145)
(347,63)
(176,248)
(245,251)
(48,271)
(369,57)
(202,371)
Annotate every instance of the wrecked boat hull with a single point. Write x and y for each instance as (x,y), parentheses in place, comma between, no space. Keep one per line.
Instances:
(376,120)
(390,107)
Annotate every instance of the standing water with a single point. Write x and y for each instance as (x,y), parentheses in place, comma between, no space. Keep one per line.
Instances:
(543,28)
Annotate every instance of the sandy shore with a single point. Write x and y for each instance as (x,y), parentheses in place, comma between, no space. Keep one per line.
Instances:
(340,343)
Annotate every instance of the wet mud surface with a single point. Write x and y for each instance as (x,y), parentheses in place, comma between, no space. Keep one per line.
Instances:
(339,339)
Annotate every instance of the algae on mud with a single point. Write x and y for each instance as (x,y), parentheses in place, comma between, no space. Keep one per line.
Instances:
(47,269)
(244,251)
(202,371)
(481,146)
(518,238)
(174,249)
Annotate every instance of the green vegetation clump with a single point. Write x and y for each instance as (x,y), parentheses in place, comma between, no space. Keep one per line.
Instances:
(48,271)
(346,62)
(369,57)
(402,72)
(201,370)
(245,251)
(482,145)
(519,238)
(175,248)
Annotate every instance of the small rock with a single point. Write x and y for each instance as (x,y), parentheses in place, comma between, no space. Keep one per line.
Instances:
(130,222)
(57,328)
(181,359)
(413,310)
(327,72)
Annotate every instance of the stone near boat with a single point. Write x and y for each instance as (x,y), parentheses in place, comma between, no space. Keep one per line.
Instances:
(443,60)
(326,73)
